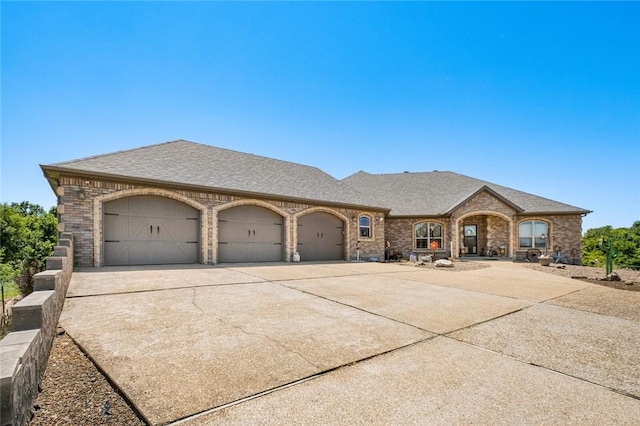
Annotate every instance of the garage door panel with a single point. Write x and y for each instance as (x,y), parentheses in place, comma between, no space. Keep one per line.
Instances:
(267,233)
(267,252)
(116,252)
(139,206)
(143,230)
(233,232)
(233,252)
(139,229)
(177,230)
(113,227)
(142,253)
(189,250)
(320,237)
(125,228)
(117,206)
(250,234)
(159,206)
(188,228)
(178,253)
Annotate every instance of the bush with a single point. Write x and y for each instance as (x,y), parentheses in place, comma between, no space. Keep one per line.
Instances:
(625,240)
(28,234)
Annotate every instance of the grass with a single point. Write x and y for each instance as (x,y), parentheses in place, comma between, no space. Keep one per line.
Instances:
(10,291)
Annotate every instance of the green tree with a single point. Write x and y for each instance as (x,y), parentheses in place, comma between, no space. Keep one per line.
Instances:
(626,240)
(28,234)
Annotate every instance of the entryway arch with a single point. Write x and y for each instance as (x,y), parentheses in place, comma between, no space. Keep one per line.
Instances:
(492,229)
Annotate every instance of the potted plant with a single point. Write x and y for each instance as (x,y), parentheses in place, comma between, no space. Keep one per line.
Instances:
(545,259)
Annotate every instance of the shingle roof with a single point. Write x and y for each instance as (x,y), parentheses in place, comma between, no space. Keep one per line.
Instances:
(188,163)
(439,193)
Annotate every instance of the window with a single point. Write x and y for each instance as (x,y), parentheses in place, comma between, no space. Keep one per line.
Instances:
(365,227)
(533,234)
(429,236)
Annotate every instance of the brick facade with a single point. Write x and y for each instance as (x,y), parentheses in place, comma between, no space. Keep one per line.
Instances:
(497,225)
(80,202)
(81,199)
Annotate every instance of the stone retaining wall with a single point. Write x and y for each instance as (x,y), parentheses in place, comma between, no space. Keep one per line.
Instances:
(24,352)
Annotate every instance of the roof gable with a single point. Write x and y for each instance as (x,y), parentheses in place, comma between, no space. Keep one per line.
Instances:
(491,192)
(185,163)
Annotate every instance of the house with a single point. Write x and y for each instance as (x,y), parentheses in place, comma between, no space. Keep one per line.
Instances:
(183,202)
(448,214)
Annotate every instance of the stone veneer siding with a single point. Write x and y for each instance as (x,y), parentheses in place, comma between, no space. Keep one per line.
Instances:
(80,212)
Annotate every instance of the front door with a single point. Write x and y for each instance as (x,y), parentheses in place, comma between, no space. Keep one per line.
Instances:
(470,241)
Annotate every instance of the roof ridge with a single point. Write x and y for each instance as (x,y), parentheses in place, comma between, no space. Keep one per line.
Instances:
(263,157)
(128,150)
(108,154)
(196,164)
(408,173)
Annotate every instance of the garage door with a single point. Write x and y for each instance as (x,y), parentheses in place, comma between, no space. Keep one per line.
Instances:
(150,230)
(320,237)
(250,234)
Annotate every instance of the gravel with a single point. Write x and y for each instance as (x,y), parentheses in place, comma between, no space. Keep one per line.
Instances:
(74,392)
(630,280)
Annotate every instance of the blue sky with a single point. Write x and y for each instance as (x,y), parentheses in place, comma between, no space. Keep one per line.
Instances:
(542,97)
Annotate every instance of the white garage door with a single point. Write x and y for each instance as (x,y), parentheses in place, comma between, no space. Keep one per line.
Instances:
(320,237)
(250,234)
(150,230)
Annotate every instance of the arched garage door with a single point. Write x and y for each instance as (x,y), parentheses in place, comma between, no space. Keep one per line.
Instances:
(250,234)
(320,237)
(150,230)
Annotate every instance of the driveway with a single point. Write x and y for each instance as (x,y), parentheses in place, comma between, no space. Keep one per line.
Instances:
(359,343)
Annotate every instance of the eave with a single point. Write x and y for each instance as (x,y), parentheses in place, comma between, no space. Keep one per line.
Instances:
(567,212)
(53,173)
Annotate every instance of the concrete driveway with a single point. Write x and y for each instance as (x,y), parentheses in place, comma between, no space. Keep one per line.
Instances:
(360,343)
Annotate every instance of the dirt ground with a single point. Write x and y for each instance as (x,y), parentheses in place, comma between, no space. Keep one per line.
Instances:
(74,391)
(629,279)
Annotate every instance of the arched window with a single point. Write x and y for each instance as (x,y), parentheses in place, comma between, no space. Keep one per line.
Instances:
(365,226)
(428,234)
(533,234)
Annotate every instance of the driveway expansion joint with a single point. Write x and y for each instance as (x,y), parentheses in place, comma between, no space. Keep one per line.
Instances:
(358,308)
(409,306)
(292,383)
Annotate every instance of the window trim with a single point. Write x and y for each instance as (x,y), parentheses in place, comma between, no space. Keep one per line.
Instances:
(368,227)
(429,238)
(533,237)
